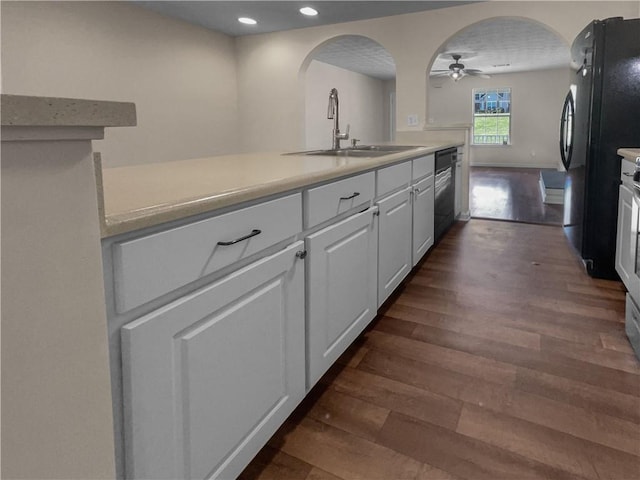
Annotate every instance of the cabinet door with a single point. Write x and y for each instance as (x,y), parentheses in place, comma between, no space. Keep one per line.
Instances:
(210,377)
(423,198)
(625,247)
(394,242)
(341,285)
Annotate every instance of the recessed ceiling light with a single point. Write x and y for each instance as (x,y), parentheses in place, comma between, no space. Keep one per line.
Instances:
(308,11)
(247,20)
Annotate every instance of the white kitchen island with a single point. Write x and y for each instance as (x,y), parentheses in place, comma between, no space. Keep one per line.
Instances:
(230,284)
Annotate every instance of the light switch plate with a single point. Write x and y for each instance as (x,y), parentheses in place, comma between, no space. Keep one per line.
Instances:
(412,120)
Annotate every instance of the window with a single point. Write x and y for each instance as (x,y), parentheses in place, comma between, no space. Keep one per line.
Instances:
(492,116)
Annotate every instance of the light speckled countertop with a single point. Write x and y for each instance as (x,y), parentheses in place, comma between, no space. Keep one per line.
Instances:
(629,153)
(141,196)
(29,111)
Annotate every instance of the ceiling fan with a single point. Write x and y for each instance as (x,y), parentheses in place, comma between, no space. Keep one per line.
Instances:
(457,70)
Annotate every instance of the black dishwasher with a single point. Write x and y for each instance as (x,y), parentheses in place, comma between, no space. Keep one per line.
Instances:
(444,190)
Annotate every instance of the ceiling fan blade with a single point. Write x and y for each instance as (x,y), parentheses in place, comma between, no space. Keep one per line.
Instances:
(443,73)
(477,73)
(463,55)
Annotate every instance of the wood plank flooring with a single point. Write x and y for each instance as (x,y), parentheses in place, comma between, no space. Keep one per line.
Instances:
(511,194)
(499,358)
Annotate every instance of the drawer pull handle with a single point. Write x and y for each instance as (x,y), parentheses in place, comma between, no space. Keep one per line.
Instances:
(252,234)
(627,174)
(355,194)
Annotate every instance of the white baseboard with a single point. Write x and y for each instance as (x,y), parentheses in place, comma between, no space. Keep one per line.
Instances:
(515,165)
(464,216)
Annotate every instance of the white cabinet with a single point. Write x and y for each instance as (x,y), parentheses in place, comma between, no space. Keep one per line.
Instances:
(210,377)
(395,242)
(406,225)
(625,246)
(341,287)
(207,378)
(394,228)
(423,205)
(627,232)
(423,191)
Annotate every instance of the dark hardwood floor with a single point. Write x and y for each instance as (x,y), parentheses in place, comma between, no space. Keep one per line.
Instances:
(499,358)
(511,194)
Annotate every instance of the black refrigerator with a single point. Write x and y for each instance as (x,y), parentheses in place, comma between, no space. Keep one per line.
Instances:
(601,114)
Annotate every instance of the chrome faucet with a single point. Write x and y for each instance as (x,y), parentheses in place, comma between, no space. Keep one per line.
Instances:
(333,113)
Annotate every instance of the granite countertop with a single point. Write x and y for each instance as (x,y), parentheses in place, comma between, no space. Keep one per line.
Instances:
(629,153)
(141,196)
(29,111)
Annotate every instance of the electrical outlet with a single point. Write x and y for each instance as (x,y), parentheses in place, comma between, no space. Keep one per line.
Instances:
(412,120)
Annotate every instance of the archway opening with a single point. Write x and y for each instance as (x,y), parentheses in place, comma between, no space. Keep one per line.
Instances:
(363,72)
(505,77)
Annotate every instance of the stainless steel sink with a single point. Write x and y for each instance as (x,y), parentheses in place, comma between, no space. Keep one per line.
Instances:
(360,151)
(346,152)
(386,148)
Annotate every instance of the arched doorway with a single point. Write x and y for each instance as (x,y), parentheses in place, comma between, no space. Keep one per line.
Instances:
(363,72)
(505,77)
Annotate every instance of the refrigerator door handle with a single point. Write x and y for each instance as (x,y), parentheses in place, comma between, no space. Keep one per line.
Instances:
(567,127)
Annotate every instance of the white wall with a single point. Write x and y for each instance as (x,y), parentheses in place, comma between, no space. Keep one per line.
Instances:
(536,104)
(361,102)
(201,93)
(182,78)
(269,65)
(389,110)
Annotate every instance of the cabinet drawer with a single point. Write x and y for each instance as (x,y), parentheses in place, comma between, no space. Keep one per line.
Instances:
(423,166)
(393,178)
(325,202)
(151,266)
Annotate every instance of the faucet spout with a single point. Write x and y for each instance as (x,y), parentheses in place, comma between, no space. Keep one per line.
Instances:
(333,112)
(333,104)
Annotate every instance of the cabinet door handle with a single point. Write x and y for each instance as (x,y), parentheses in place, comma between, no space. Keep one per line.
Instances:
(627,174)
(301,254)
(252,234)
(417,190)
(355,194)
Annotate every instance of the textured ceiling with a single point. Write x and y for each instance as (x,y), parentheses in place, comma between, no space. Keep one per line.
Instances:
(493,46)
(273,16)
(358,54)
(502,45)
